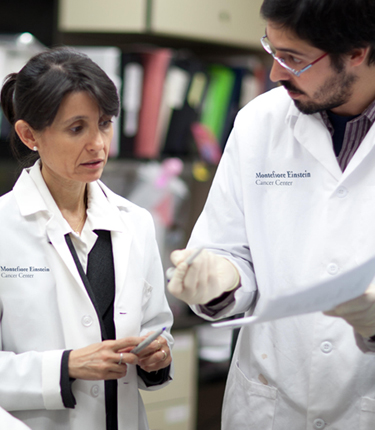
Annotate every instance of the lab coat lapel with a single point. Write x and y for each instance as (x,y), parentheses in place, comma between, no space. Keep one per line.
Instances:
(31,202)
(311,132)
(57,240)
(360,155)
(122,236)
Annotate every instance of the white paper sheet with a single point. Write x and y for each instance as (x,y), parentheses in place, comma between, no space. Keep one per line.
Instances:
(318,297)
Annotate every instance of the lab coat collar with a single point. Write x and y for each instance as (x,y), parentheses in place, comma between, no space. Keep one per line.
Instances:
(27,195)
(101,206)
(110,209)
(103,213)
(311,132)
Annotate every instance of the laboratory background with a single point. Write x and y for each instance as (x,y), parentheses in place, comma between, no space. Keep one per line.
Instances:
(183,69)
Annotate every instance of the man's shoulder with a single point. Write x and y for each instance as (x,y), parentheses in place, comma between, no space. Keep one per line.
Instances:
(271,108)
(276,100)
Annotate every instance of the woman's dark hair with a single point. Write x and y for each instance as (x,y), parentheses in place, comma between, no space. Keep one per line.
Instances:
(334,26)
(35,93)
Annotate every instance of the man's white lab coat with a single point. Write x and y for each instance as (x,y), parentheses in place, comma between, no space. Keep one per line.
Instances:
(281,209)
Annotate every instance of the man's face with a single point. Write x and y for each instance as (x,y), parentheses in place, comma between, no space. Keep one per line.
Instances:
(322,87)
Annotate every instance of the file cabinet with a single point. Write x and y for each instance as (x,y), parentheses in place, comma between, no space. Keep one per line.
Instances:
(230,22)
(113,16)
(235,22)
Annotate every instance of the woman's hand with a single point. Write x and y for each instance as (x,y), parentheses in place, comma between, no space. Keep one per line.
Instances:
(105,360)
(155,356)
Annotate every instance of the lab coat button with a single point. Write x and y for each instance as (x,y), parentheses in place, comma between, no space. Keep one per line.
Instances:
(332,268)
(86,320)
(95,391)
(326,347)
(342,192)
(319,424)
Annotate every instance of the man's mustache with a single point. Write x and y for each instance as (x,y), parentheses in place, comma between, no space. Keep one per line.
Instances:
(287,85)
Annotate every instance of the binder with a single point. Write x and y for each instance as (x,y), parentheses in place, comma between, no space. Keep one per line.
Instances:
(179,140)
(155,65)
(233,105)
(131,95)
(174,96)
(222,80)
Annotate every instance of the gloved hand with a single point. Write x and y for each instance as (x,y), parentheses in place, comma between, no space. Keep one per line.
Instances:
(359,312)
(208,277)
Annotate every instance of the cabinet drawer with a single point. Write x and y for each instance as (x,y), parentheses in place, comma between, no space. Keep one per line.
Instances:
(111,16)
(233,22)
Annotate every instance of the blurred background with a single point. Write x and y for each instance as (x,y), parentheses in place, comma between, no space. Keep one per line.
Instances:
(183,69)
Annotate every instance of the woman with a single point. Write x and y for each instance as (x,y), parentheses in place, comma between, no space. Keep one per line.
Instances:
(81,281)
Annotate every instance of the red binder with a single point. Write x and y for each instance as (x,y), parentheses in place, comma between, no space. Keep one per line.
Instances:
(155,65)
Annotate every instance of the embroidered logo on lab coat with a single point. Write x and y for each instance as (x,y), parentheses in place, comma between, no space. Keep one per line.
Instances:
(284,179)
(21,271)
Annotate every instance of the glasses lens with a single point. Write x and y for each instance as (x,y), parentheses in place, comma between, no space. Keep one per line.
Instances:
(266,45)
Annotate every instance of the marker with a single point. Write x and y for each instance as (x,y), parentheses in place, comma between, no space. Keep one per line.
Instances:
(147,341)
(188,261)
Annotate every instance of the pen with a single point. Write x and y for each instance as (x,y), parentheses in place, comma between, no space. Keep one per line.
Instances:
(188,261)
(147,341)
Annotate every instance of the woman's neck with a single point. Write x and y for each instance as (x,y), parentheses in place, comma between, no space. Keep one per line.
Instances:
(71,199)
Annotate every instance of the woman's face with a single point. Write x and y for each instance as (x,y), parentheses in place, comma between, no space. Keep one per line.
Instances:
(74,148)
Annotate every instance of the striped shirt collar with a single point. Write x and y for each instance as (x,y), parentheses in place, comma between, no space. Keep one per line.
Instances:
(355,132)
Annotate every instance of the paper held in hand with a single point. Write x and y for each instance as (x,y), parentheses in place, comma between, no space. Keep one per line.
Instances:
(318,297)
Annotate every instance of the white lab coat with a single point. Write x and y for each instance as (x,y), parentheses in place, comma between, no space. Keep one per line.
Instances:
(45,310)
(8,422)
(303,372)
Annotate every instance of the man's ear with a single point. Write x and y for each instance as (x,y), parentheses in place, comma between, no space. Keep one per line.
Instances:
(358,56)
(27,134)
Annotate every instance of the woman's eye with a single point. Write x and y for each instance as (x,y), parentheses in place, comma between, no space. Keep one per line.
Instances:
(105,124)
(76,129)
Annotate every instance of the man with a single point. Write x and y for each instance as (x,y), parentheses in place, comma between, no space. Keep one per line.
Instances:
(293,203)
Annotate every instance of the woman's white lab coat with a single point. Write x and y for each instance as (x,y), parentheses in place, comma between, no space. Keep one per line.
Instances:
(45,310)
(10,423)
(281,209)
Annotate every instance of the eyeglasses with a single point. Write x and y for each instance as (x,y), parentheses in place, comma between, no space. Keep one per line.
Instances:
(268,48)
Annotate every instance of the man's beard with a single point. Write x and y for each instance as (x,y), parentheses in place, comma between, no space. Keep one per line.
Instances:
(335,92)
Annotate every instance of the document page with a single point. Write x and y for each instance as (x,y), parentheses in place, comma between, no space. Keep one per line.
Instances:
(318,297)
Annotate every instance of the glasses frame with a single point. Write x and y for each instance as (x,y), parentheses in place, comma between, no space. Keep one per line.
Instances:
(297,73)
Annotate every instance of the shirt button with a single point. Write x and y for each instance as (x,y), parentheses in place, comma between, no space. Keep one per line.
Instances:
(86,320)
(319,424)
(341,192)
(95,391)
(326,347)
(332,268)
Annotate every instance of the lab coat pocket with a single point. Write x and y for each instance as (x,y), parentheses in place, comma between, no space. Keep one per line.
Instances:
(248,404)
(147,290)
(367,417)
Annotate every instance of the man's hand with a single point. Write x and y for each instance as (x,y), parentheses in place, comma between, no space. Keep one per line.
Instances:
(359,312)
(208,277)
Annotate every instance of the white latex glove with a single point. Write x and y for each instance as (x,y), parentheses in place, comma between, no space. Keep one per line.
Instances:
(208,277)
(359,312)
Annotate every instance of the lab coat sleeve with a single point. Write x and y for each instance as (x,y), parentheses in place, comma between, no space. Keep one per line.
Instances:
(156,313)
(366,345)
(221,227)
(30,380)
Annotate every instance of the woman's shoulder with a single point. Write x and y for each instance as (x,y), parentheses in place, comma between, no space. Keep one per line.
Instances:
(123,203)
